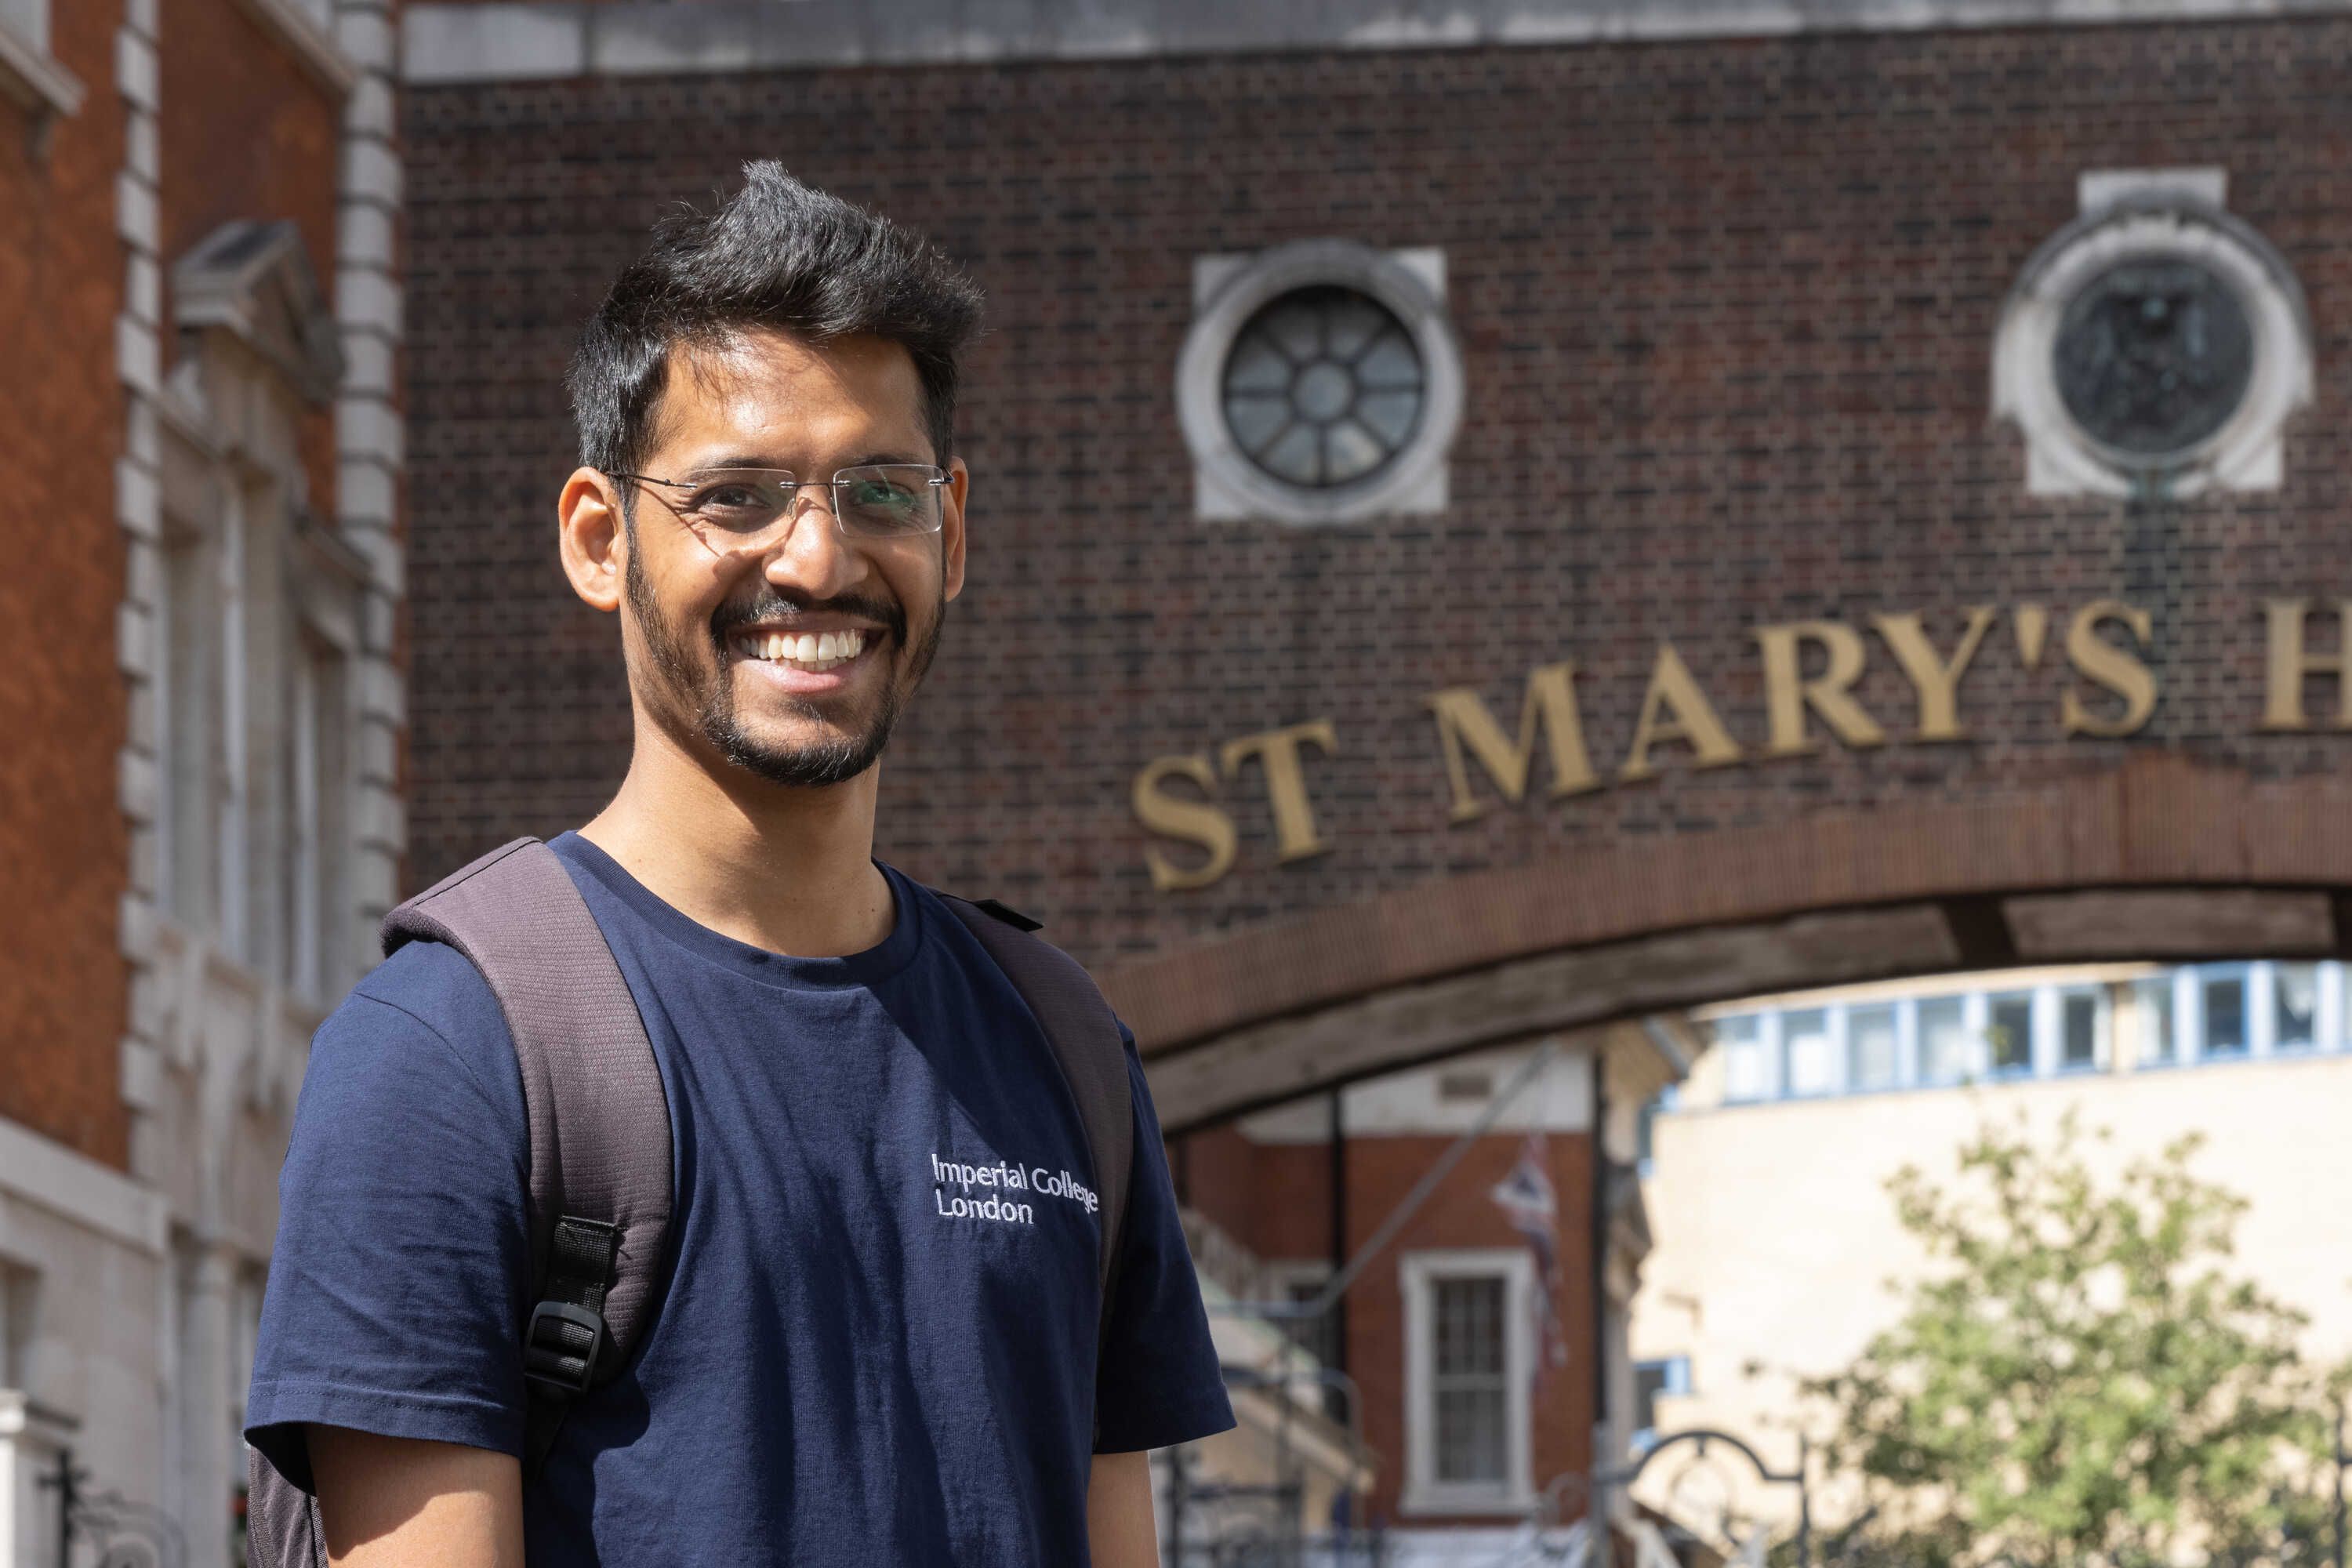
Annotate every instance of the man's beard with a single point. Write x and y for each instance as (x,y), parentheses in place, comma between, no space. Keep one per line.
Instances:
(709,693)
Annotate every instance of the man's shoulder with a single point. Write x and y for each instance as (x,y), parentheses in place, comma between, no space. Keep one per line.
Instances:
(427,1000)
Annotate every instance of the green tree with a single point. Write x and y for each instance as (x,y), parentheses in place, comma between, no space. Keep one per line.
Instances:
(2077,1381)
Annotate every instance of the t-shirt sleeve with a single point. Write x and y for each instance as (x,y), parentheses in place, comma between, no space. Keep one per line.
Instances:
(1157,1381)
(395,1287)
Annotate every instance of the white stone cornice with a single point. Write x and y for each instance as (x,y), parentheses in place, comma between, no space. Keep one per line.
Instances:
(526,39)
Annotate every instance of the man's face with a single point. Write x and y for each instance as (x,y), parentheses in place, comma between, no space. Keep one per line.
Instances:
(706,621)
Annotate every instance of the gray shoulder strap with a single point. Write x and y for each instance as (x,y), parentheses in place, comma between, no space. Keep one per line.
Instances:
(1083,1033)
(600,1133)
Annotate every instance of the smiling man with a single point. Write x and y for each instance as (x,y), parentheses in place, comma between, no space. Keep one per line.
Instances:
(878,1335)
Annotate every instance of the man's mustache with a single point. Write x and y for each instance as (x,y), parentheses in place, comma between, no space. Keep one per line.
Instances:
(775,608)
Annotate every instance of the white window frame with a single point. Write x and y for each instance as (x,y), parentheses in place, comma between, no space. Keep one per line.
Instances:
(1227,291)
(1418,1273)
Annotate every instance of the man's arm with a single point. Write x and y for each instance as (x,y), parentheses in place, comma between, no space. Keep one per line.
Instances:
(402,1502)
(1119,1529)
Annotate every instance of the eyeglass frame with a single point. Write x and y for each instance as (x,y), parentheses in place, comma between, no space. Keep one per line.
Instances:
(940,478)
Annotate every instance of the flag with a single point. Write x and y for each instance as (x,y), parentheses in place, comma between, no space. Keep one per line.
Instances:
(1527,1201)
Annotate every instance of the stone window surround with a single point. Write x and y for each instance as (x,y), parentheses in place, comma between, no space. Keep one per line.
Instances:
(1227,291)
(29,72)
(2126,213)
(1417,1273)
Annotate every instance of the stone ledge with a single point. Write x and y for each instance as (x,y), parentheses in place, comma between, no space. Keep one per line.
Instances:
(542,39)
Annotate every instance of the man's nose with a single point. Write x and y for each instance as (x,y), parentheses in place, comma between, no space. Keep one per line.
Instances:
(812,554)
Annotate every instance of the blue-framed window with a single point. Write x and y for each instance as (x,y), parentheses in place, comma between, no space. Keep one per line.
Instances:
(1666,1378)
(2224,1011)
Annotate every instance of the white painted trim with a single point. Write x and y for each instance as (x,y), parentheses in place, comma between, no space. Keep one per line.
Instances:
(2128,214)
(1227,486)
(33,78)
(49,1175)
(311,44)
(1416,1272)
(544,40)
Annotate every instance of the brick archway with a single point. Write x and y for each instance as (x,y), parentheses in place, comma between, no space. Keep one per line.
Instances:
(2159,858)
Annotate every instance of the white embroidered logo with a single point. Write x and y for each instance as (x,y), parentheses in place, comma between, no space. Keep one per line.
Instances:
(1003,1179)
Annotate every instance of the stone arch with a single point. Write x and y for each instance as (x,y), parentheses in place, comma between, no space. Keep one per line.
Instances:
(2162,858)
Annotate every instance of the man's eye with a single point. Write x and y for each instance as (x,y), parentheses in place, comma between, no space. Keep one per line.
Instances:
(875,492)
(733,503)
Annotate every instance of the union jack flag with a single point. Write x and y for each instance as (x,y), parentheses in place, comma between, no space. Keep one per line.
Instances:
(1528,1200)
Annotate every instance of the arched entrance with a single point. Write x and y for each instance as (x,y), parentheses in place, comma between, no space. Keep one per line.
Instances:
(2159,858)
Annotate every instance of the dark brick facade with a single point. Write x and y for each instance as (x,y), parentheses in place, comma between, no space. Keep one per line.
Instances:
(1727,309)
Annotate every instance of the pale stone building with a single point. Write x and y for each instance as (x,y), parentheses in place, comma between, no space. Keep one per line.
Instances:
(1767,1170)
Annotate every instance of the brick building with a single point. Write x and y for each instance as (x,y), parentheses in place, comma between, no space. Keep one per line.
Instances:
(1491,520)
(197,799)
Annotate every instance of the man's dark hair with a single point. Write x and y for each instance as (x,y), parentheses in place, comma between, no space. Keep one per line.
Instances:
(776,254)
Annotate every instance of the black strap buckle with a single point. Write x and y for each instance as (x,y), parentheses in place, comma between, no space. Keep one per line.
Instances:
(562,1347)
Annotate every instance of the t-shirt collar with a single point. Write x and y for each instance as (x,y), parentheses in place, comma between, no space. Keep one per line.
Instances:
(866,968)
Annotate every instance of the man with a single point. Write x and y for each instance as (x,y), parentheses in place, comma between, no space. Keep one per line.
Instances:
(840,1369)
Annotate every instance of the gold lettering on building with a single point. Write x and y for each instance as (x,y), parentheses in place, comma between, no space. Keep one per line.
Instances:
(1467,729)
(1693,720)
(1197,822)
(1789,691)
(2111,665)
(1286,782)
(1936,679)
(1810,673)
(2290,662)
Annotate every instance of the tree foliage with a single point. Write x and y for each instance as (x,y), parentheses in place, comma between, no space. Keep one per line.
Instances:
(2077,1381)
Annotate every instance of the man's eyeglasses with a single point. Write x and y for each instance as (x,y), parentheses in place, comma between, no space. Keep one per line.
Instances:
(735,509)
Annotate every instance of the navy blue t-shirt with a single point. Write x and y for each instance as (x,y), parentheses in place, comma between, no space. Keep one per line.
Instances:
(856,1358)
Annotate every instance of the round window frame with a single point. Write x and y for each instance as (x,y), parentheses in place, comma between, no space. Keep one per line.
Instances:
(2241,452)
(1413,479)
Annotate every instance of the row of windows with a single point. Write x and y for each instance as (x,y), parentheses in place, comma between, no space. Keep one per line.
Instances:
(2198,1013)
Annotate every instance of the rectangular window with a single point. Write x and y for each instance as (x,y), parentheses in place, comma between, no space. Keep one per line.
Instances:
(1805,1038)
(1871,1048)
(2008,1031)
(2296,987)
(2154,1000)
(1746,1074)
(1466,1383)
(2078,1037)
(1469,1353)
(2225,1015)
(1943,1040)
(1653,1380)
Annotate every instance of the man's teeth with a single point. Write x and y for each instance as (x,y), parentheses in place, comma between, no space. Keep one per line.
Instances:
(809,650)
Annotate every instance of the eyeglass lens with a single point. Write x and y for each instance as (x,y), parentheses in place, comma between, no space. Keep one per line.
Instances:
(877,500)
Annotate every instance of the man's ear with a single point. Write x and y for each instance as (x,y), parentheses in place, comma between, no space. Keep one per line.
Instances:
(952,525)
(593,542)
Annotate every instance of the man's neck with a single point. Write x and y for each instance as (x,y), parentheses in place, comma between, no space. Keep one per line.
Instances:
(791,870)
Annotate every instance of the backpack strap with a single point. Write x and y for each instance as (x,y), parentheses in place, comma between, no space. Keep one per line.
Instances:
(600,1132)
(1085,1035)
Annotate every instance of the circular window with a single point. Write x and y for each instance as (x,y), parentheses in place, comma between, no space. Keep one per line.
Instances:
(1324,387)
(2154,356)
(2155,346)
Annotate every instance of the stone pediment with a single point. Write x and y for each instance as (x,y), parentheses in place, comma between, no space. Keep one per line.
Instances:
(254,281)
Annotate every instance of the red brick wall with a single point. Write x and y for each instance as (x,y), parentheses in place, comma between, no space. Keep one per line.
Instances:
(62,852)
(1727,309)
(1273,1197)
(249,132)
